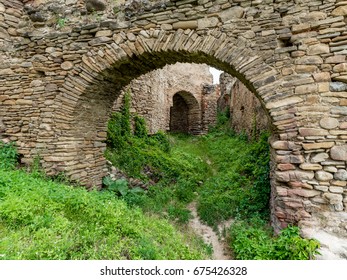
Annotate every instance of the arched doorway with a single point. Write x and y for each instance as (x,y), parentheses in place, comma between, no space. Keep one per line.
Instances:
(185,114)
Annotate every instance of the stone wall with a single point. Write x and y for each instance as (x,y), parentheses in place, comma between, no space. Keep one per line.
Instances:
(62,70)
(153,94)
(246,112)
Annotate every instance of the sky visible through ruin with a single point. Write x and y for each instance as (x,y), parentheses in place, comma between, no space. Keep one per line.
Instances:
(216,73)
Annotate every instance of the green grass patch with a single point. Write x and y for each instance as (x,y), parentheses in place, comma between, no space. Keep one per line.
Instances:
(41,219)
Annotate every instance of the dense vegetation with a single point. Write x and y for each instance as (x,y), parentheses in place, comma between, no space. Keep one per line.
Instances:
(226,174)
(43,219)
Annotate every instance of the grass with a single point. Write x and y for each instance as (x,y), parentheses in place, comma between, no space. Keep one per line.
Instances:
(43,219)
(225,173)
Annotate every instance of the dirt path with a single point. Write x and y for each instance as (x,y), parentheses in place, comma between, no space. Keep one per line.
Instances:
(220,248)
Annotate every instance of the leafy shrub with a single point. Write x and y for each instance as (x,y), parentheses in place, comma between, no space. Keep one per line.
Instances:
(161,140)
(254,241)
(118,127)
(8,155)
(140,129)
(120,187)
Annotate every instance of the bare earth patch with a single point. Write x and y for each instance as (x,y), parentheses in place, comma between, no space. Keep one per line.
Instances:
(220,247)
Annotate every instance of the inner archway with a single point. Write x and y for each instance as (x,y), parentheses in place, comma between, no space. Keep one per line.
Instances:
(185,114)
(179,113)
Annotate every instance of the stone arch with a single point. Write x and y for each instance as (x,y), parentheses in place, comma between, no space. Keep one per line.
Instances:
(185,113)
(106,68)
(58,84)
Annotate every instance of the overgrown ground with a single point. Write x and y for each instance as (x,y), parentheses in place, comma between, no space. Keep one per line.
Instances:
(43,219)
(226,174)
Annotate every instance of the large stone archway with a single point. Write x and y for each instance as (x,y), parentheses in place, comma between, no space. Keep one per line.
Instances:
(58,84)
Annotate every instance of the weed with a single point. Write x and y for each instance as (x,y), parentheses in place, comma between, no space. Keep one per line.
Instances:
(61,22)
(253,240)
(120,187)
(8,156)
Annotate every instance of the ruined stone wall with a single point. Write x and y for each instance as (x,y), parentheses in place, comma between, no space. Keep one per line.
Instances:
(246,112)
(152,96)
(65,67)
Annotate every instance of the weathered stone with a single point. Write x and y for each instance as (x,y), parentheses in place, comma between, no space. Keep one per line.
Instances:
(341,175)
(310,166)
(341,78)
(66,65)
(298,184)
(280,145)
(166,26)
(329,123)
(340,11)
(323,176)
(100,41)
(24,102)
(312,132)
(314,59)
(232,13)
(334,189)
(318,49)
(336,59)
(95,5)
(333,198)
(342,67)
(192,24)
(319,157)
(296,175)
(338,86)
(305,68)
(290,159)
(339,183)
(306,89)
(339,153)
(343,125)
(303,192)
(285,166)
(284,102)
(321,188)
(103,33)
(208,22)
(339,110)
(37,17)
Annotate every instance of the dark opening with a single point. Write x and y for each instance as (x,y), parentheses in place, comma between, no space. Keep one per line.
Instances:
(179,115)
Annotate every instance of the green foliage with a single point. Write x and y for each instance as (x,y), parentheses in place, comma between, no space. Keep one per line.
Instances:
(140,129)
(8,155)
(254,241)
(120,187)
(161,140)
(225,172)
(119,126)
(240,186)
(61,22)
(40,219)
